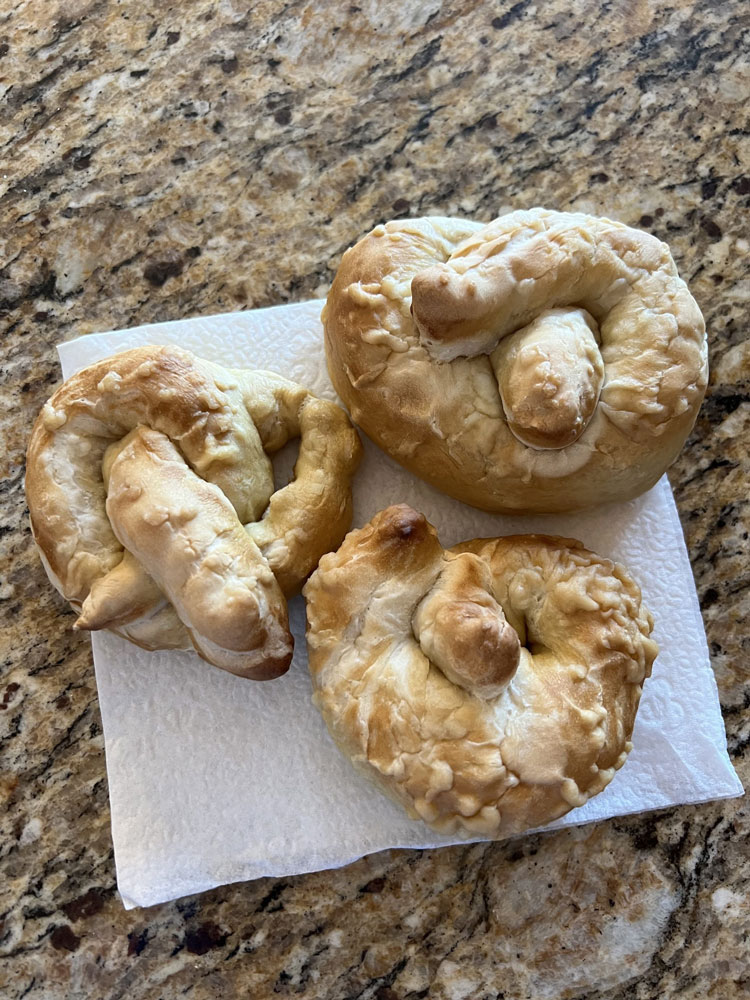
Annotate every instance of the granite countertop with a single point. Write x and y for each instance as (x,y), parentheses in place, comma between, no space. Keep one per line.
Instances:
(170,160)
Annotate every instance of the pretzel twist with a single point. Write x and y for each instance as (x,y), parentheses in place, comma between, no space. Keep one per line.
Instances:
(545,362)
(488,688)
(152,502)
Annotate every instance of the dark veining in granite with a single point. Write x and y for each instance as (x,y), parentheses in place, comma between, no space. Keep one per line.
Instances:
(161,161)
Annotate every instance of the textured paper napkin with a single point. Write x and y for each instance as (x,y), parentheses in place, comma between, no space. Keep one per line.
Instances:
(215,779)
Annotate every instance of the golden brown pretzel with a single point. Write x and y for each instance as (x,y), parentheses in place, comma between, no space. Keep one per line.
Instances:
(489,688)
(548,361)
(152,502)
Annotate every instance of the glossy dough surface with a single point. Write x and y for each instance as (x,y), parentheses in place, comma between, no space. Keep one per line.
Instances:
(152,502)
(545,362)
(488,688)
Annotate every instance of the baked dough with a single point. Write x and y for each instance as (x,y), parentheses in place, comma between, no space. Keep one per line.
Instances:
(152,502)
(489,688)
(545,362)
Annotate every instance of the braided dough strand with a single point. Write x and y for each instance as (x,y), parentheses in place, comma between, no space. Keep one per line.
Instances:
(489,748)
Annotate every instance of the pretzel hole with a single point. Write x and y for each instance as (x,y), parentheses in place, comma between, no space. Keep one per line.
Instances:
(283,462)
(517,615)
(536,648)
(527,636)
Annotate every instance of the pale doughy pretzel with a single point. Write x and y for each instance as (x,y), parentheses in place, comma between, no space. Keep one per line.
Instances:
(152,502)
(545,362)
(489,688)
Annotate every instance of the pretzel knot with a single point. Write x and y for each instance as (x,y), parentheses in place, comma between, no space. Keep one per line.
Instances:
(545,362)
(152,502)
(488,688)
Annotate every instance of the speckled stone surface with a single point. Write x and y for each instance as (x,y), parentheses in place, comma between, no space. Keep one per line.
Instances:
(169,160)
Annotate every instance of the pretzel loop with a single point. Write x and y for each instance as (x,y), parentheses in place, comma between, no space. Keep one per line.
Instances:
(152,502)
(545,362)
(488,688)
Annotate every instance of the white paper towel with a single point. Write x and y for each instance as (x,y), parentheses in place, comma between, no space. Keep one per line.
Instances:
(215,779)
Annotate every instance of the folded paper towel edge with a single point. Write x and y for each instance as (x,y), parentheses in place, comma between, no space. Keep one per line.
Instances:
(133,899)
(718,715)
(159,333)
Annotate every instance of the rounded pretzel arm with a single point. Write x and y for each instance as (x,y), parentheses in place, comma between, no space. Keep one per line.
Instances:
(186,535)
(304,518)
(119,597)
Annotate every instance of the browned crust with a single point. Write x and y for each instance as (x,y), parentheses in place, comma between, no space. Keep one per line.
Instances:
(210,414)
(548,742)
(443,420)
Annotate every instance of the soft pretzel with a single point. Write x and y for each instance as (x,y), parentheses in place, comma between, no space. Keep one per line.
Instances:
(152,502)
(489,688)
(545,362)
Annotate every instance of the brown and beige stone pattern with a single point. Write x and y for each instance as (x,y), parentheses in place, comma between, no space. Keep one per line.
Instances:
(166,160)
